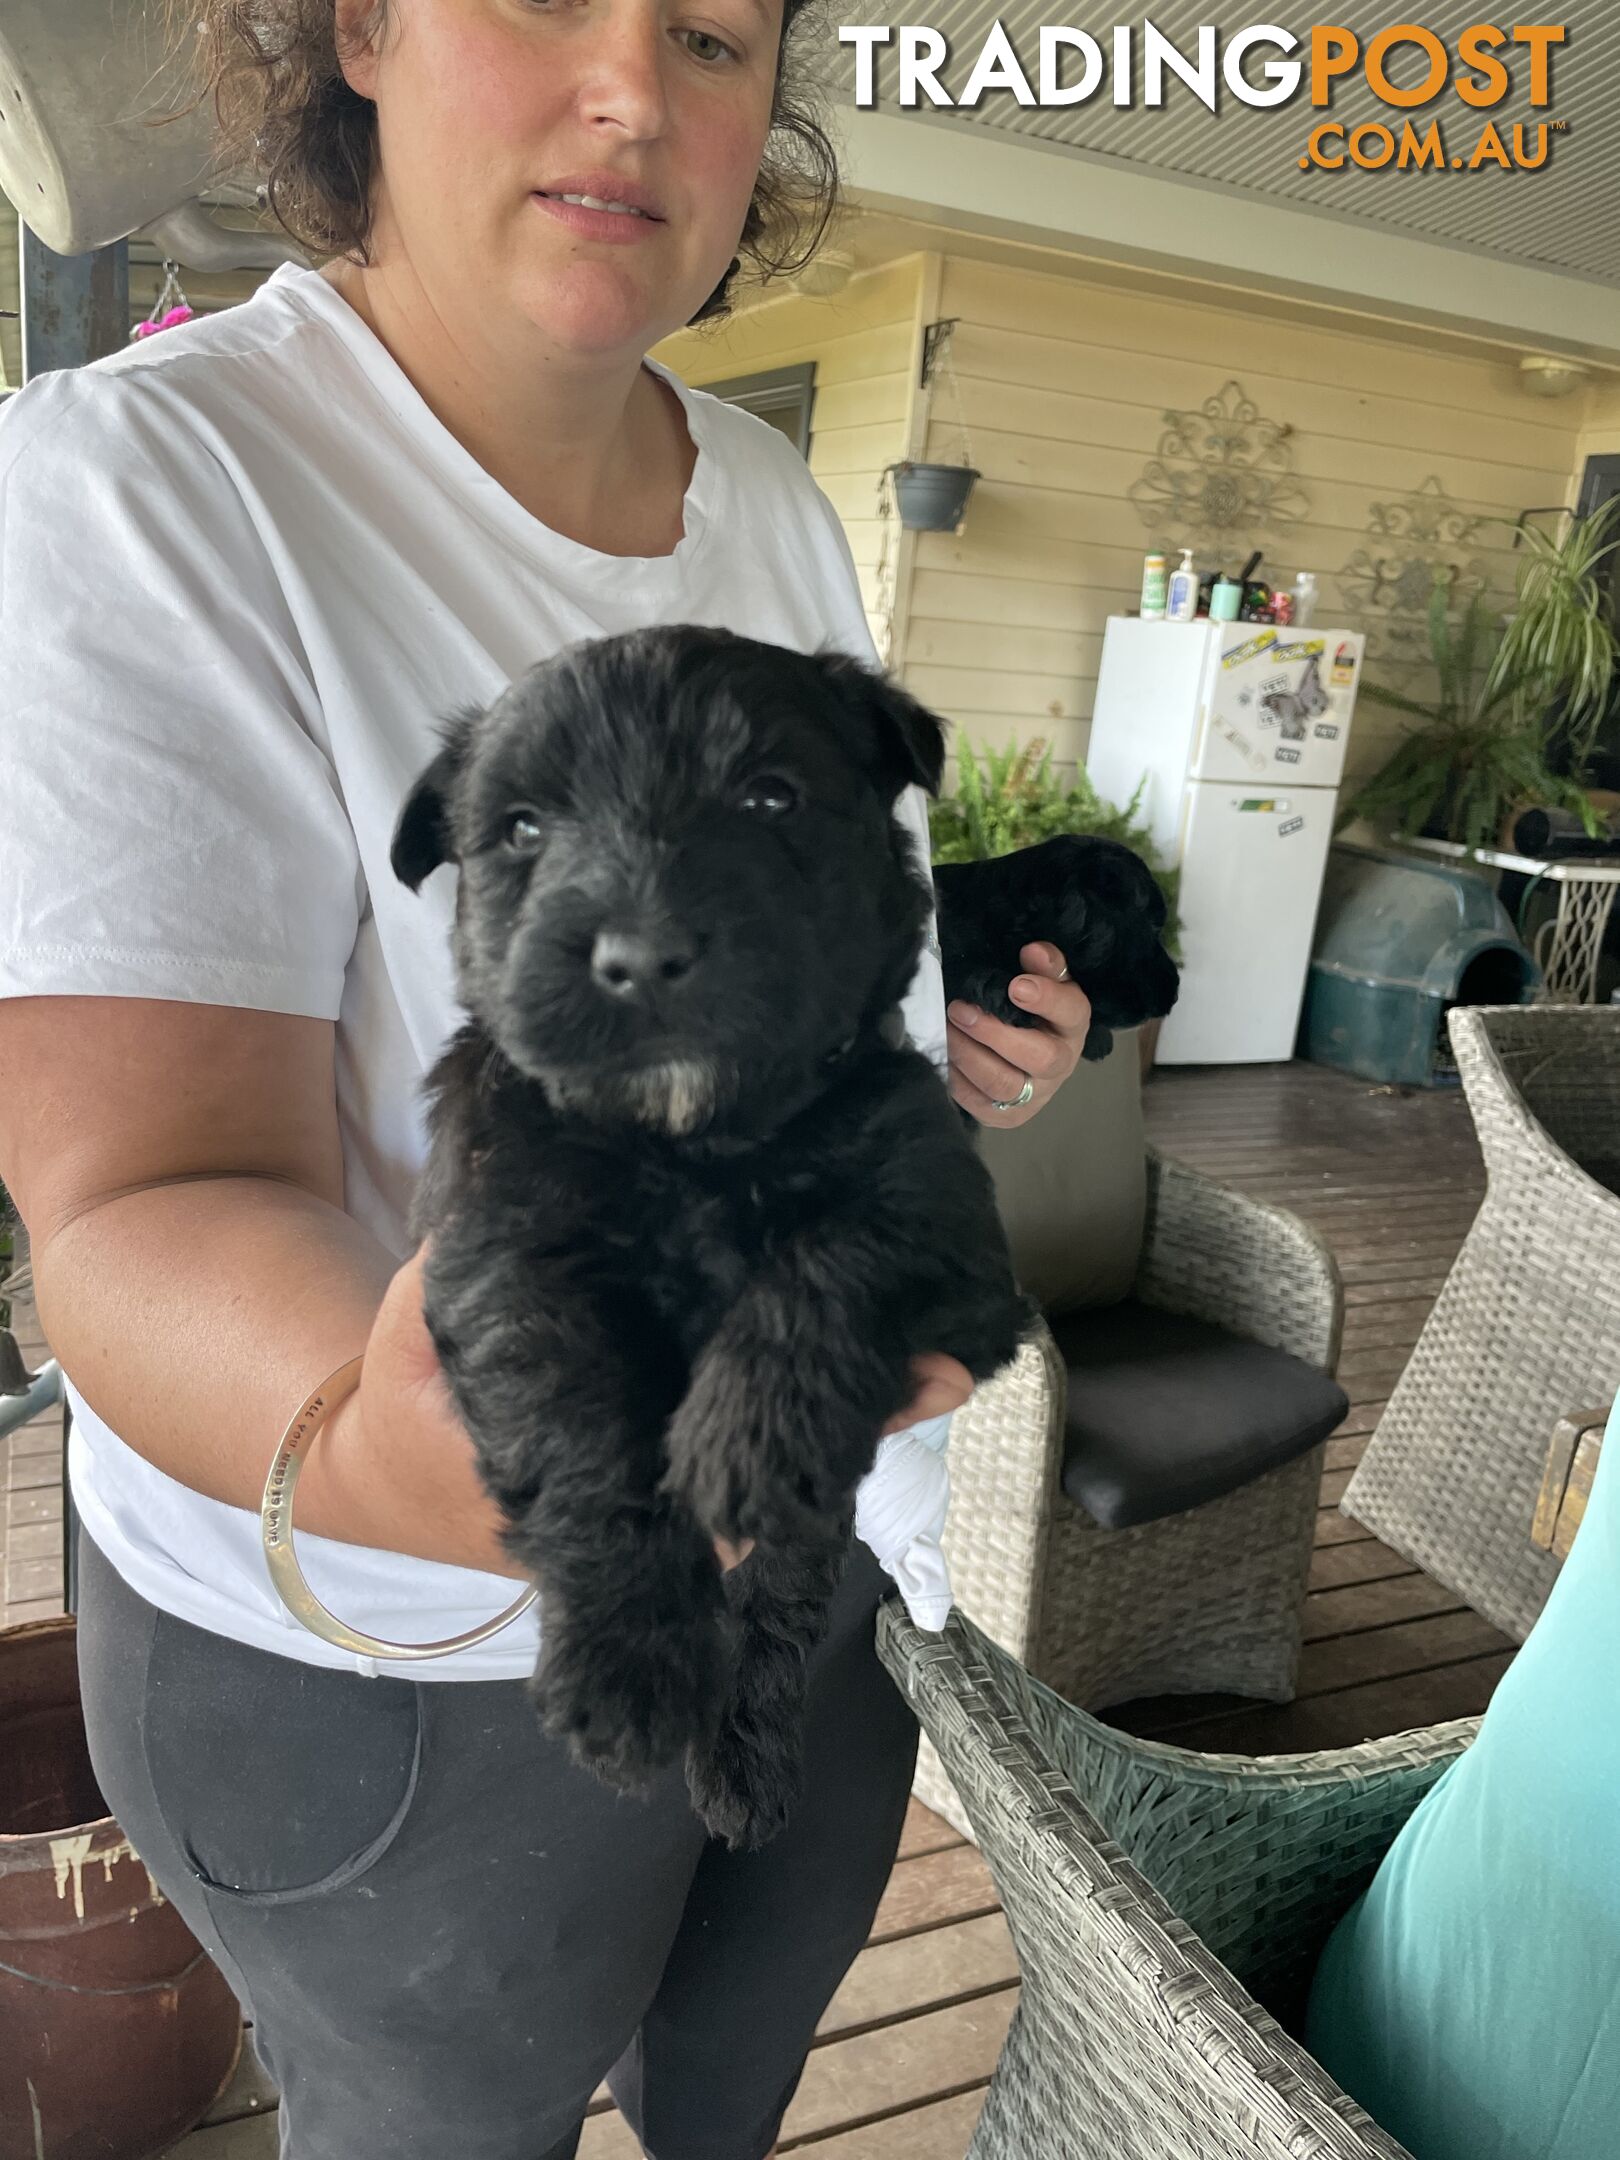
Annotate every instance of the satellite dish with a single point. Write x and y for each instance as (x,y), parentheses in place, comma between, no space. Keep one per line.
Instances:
(89,149)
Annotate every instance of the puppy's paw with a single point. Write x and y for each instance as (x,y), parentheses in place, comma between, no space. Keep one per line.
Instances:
(741,1792)
(752,1456)
(773,1504)
(626,1705)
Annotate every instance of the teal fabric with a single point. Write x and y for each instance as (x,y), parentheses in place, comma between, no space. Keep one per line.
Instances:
(1471,2000)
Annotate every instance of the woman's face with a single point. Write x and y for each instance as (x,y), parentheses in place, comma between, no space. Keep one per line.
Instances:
(483,105)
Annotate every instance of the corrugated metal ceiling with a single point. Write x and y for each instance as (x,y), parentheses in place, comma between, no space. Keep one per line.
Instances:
(1566,216)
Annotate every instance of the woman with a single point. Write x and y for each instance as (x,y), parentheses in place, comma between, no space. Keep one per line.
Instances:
(246,565)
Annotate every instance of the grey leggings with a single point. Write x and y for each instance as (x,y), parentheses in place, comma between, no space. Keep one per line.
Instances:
(446,1935)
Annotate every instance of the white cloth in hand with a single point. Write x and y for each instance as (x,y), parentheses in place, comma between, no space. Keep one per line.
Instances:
(900,1509)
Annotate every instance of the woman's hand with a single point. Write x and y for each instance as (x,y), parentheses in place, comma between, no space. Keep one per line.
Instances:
(943,1385)
(396,1450)
(428,1447)
(991,1062)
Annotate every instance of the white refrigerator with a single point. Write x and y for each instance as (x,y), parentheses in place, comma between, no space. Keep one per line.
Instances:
(1237,734)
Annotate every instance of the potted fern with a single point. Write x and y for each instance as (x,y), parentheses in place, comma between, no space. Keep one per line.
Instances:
(1013,800)
(1519,703)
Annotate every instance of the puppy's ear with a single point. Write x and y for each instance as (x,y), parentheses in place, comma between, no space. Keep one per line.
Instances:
(423,837)
(897,739)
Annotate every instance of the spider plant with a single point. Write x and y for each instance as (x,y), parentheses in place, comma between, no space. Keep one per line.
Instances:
(1507,692)
(1013,801)
(1560,646)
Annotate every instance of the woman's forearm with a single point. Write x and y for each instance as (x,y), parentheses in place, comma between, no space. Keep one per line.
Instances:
(193,1316)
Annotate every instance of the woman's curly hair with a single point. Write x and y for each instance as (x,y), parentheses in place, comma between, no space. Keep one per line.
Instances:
(288,116)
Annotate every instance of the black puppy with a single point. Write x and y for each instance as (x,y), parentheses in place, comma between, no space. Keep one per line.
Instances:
(694,1203)
(1095,900)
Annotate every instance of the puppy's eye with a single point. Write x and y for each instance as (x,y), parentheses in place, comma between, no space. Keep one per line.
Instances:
(520,830)
(770,793)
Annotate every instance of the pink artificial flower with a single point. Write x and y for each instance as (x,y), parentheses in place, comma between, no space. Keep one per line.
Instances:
(165,322)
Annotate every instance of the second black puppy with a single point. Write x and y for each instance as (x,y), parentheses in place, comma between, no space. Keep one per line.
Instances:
(1094,899)
(694,1202)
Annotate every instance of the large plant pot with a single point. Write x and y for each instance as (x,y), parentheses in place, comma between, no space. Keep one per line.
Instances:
(80,157)
(932,498)
(116,2032)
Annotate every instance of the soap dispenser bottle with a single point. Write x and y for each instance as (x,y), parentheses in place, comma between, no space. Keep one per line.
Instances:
(1181,604)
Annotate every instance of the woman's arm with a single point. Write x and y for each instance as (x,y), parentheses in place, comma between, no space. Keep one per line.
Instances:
(179,1171)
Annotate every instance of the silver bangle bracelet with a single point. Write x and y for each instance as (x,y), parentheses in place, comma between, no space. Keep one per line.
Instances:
(276,1533)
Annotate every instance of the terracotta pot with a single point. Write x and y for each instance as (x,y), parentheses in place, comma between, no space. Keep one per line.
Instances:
(1147,1044)
(117,2034)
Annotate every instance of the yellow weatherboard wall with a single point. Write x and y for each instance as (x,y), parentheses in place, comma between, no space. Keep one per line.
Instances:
(864,341)
(1600,430)
(1066,386)
(1065,383)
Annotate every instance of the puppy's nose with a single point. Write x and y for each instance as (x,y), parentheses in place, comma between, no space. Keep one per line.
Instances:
(630,964)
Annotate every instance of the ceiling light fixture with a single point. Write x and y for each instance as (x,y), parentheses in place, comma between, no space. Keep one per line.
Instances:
(1545,375)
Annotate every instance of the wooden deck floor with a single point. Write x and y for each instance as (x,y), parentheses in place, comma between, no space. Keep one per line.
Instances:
(900,2065)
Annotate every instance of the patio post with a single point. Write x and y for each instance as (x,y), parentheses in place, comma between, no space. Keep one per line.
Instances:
(74,307)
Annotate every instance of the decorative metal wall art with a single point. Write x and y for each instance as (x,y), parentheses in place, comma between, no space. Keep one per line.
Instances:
(1221,471)
(1388,583)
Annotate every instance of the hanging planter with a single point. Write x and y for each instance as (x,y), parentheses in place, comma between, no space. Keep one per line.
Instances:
(170,308)
(932,498)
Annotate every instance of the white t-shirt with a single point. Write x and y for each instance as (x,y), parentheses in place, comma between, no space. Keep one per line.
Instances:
(243,572)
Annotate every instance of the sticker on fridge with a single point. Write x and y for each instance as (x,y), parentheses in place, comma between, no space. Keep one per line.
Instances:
(1240,743)
(1292,709)
(1250,649)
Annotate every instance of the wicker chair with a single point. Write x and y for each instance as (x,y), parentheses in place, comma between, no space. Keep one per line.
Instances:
(1167,1908)
(1528,1323)
(1204,1600)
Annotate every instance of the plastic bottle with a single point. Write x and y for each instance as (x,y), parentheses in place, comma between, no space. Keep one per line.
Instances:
(1153,584)
(1304,600)
(1182,603)
(1225,599)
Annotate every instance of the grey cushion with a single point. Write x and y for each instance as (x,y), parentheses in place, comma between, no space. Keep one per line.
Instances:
(1165,1413)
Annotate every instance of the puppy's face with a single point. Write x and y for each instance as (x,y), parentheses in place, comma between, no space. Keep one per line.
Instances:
(681,884)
